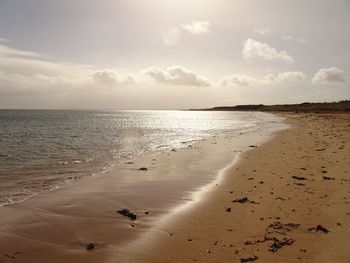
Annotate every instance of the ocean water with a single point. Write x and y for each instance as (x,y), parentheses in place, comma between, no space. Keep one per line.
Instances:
(41,150)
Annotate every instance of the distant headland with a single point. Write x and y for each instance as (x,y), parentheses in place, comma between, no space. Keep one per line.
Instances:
(319,107)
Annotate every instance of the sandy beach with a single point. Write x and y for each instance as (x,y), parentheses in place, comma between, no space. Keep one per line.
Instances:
(174,131)
(286,201)
(283,200)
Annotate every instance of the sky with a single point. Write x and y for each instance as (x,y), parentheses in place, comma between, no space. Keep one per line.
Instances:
(172,54)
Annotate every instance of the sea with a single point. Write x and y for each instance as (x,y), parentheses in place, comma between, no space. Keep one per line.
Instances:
(42,150)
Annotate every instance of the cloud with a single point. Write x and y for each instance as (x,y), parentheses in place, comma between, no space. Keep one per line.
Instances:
(27,63)
(331,75)
(111,78)
(176,75)
(197,27)
(291,38)
(246,81)
(172,36)
(17,83)
(287,76)
(262,31)
(238,80)
(7,51)
(26,71)
(30,80)
(255,49)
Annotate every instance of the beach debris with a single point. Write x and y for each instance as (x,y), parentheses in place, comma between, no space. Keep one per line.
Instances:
(249,242)
(253,146)
(276,228)
(280,198)
(173,150)
(129,162)
(277,244)
(90,246)
(319,150)
(127,213)
(228,209)
(319,228)
(14,255)
(143,169)
(298,177)
(189,239)
(146,212)
(328,178)
(248,259)
(256,241)
(284,227)
(241,200)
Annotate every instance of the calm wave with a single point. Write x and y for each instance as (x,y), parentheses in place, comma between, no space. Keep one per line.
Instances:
(41,150)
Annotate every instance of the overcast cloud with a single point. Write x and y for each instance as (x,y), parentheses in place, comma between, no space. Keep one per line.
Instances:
(171,54)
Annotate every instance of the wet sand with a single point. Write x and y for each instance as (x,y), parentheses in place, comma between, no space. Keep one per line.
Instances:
(202,226)
(56,226)
(298,189)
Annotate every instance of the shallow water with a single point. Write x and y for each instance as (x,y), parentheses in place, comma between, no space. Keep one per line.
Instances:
(41,150)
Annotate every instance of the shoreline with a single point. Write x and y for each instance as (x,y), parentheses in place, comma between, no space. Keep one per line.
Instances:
(45,225)
(297,189)
(18,191)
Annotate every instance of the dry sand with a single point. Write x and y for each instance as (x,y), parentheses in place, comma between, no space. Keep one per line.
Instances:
(316,150)
(53,227)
